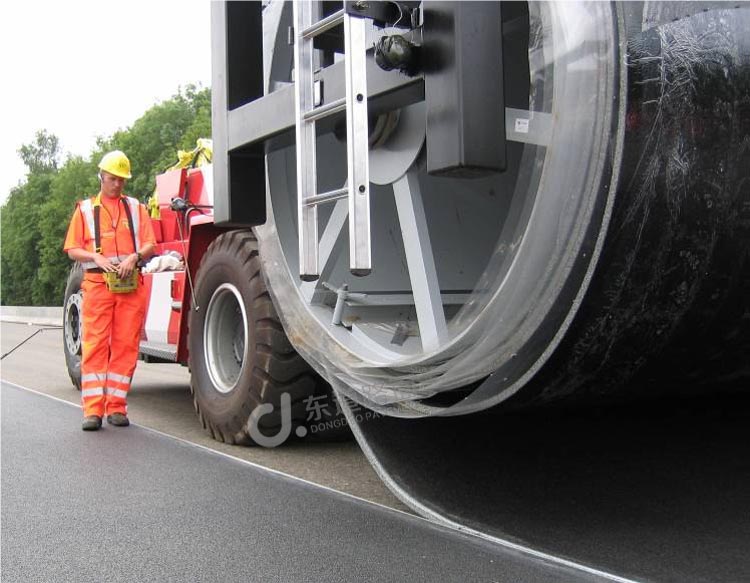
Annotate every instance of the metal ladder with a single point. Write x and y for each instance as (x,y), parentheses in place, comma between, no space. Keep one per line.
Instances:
(307,113)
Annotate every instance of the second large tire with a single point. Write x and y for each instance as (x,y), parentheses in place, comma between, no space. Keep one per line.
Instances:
(240,358)
(72,319)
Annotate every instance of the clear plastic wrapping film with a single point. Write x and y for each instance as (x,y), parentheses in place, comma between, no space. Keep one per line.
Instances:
(513,253)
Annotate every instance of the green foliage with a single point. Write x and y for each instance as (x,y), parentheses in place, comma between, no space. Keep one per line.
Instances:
(35,217)
(201,124)
(43,155)
(20,231)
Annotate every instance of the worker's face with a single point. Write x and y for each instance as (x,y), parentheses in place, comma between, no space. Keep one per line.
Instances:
(112,185)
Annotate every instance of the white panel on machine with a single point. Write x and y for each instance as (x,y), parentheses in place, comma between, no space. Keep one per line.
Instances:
(159,307)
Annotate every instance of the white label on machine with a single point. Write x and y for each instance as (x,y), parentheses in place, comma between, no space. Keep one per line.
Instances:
(522,125)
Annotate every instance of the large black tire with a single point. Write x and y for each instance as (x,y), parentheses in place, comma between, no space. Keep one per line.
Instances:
(72,323)
(240,358)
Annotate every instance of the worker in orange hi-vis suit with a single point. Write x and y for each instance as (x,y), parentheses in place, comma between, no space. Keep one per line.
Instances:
(110,234)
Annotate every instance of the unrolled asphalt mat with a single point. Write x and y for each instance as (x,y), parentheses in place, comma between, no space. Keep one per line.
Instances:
(130,504)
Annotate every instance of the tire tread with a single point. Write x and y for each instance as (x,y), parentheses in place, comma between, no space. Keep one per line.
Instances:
(277,367)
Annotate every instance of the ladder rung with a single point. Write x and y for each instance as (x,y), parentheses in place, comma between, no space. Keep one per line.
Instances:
(327,196)
(355,106)
(321,26)
(325,110)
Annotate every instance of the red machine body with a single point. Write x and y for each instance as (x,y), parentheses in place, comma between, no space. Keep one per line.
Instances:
(187,233)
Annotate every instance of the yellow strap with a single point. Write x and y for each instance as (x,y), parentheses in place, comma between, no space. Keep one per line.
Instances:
(201,155)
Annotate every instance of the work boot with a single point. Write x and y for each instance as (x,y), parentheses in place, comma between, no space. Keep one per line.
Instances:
(91,423)
(119,419)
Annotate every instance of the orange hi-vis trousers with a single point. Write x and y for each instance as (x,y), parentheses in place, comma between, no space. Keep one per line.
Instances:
(111,335)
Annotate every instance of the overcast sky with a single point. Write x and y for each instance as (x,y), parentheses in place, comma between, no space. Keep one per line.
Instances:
(85,69)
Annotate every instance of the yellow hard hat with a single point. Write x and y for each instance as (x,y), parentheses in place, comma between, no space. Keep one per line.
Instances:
(116,163)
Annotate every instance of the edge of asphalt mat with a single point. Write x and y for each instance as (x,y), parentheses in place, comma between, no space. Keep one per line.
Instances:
(528,551)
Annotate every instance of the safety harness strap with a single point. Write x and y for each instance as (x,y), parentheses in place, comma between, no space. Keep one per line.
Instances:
(97,229)
(91,211)
(130,222)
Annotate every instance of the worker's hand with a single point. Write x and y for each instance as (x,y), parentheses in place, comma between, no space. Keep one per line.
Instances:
(125,268)
(104,263)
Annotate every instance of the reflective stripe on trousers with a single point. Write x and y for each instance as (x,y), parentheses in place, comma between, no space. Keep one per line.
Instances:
(111,333)
(92,392)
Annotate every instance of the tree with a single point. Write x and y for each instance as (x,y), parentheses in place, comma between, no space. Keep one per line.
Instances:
(42,155)
(21,233)
(201,127)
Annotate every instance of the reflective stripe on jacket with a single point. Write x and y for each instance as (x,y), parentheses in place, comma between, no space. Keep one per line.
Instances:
(87,209)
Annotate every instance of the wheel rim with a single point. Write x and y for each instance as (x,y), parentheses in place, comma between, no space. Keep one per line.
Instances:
(225,338)
(471,276)
(73,323)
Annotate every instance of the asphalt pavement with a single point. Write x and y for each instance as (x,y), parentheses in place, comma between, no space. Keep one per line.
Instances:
(160,399)
(161,500)
(131,504)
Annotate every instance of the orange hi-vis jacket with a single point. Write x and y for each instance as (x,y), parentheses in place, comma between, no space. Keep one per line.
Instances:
(116,239)
(111,323)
